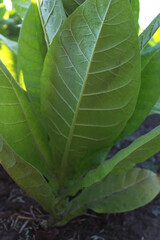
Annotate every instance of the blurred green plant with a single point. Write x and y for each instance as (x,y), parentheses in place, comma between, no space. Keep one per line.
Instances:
(10,22)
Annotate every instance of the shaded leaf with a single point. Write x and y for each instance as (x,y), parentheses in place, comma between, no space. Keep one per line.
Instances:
(116,193)
(71,5)
(26,176)
(139,151)
(91,76)
(150,83)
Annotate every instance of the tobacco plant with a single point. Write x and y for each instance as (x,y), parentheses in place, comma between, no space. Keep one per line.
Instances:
(75,84)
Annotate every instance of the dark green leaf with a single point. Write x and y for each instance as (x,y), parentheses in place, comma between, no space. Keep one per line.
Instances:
(139,151)
(71,5)
(116,193)
(28,177)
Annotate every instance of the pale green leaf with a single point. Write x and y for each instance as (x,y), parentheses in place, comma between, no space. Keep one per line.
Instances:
(149,91)
(31,53)
(71,5)
(156,108)
(21,6)
(52,17)
(139,151)
(148,33)
(90,81)
(19,125)
(8,54)
(27,177)
(116,193)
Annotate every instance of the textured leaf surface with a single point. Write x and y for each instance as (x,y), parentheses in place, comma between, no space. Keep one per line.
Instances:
(90,80)
(26,176)
(52,16)
(19,125)
(139,151)
(21,6)
(71,5)
(149,91)
(148,33)
(117,193)
(31,53)
(8,54)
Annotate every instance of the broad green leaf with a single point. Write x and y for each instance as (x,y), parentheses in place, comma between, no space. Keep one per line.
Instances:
(139,151)
(156,108)
(71,5)
(19,125)
(149,91)
(21,6)
(135,10)
(8,54)
(31,53)
(26,176)
(90,81)
(148,33)
(52,17)
(116,193)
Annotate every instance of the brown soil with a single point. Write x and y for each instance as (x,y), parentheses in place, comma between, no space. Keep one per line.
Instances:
(21,218)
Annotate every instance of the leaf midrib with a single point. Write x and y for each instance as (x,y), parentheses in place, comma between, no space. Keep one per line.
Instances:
(66,152)
(43,25)
(84,206)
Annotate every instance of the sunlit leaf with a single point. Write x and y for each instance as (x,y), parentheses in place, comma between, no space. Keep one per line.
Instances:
(52,16)
(21,6)
(31,53)
(19,125)
(90,81)
(8,55)
(148,33)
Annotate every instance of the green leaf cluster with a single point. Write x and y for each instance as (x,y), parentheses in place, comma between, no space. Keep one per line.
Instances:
(77,82)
